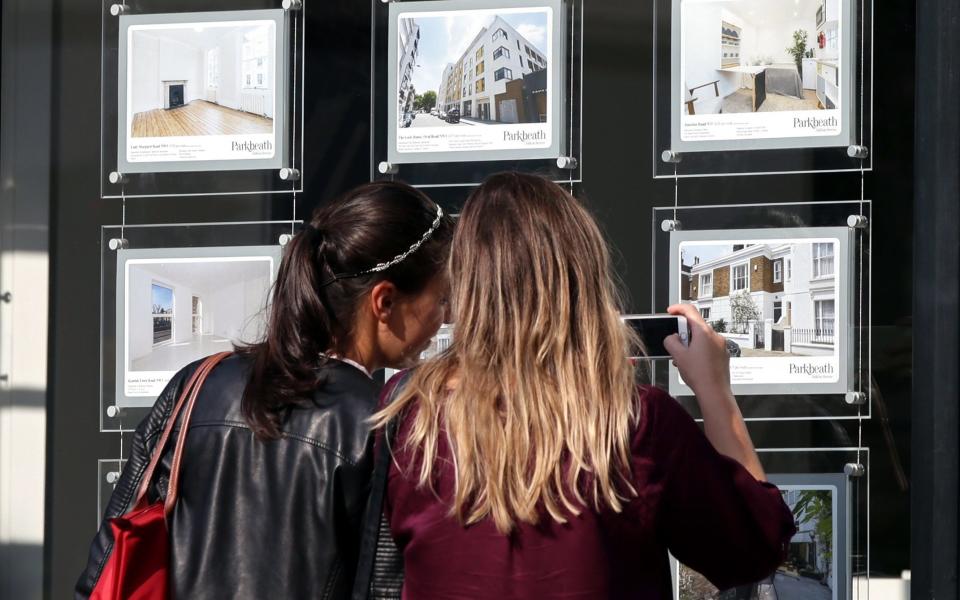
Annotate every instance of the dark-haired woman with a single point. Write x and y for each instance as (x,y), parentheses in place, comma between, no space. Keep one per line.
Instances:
(278,457)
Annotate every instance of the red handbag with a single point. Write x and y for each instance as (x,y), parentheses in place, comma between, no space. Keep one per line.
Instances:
(139,564)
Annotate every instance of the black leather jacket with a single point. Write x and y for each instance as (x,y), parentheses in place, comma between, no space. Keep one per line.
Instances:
(278,519)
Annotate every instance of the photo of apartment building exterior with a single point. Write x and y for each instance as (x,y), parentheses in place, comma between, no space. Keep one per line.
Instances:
(408,42)
(788,290)
(501,77)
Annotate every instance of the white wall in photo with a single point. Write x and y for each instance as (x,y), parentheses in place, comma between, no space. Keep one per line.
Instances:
(701,48)
(163,58)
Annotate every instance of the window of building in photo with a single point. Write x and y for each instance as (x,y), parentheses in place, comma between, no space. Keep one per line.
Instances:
(738,273)
(501,51)
(706,285)
(162,313)
(213,68)
(481,85)
(502,73)
(778,271)
(256,57)
(824,315)
(705,313)
(197,315)
(500,34)
(480,53)
(479,68)
(789,268)
(822,259)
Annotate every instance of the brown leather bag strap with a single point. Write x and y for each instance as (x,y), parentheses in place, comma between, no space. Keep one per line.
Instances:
(173,486)
(165,435)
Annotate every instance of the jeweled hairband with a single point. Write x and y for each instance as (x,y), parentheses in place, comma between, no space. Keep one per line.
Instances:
(396,259)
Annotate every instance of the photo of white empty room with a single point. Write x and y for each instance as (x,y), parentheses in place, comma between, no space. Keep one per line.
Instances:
(179,309)
(808,573)
(202,87)
(760,68)
(202,79)
(768,298)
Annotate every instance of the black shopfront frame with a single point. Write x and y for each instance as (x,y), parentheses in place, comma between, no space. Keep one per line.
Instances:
(914,185)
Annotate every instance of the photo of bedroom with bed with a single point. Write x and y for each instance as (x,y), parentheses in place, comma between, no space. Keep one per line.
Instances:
(747,56)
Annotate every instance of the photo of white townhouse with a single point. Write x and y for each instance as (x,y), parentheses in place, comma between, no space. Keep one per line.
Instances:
(202,79)
(756,56)
(776,298)
(498,77)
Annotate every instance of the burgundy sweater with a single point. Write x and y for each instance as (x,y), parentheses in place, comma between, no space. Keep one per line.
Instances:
(704,508)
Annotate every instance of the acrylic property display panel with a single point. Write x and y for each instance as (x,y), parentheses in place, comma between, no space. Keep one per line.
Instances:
(774,86)
(818,558)
(178,305)
(829,557)
(178,293)
(462,88)
(190,93)
(782,299)
(788,285)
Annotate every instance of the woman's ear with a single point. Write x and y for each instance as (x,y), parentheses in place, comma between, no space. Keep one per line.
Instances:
(383,297)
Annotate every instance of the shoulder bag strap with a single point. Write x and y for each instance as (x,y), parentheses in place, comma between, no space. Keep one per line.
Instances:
(172,489)
(167,429)
(370,533)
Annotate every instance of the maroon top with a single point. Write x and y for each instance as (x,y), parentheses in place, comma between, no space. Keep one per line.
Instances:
(706,509)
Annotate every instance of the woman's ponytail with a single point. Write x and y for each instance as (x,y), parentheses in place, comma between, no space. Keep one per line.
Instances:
(313,305)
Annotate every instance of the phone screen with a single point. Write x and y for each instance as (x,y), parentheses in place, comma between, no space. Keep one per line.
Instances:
(653,330)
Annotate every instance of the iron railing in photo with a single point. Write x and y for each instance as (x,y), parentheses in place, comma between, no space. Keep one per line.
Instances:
(812,336)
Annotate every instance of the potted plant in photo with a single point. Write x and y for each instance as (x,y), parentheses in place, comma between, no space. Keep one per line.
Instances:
(798,49)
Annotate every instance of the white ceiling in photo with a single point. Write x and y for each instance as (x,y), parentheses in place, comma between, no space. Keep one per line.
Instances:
(207,277)
(760,12)
(201,35)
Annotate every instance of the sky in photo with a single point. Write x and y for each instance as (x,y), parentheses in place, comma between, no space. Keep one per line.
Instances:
(163,298)
(704,253)
(444,39)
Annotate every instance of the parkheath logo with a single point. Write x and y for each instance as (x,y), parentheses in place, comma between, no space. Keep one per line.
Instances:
(524,136)
(814,122)
(810,369)
(250,146)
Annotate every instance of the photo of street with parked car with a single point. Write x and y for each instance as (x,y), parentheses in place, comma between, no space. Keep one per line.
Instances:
(473,68)
(769,298)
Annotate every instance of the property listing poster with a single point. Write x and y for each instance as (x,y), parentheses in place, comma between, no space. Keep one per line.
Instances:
(204,91)
(474,80)
(814,565)
(177,310)
(760,69)
(775,301)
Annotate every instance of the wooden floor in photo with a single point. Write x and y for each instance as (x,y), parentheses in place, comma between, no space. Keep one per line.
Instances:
(198,118)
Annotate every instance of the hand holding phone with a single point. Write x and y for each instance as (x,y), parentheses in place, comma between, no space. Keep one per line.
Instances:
(653,330)
(703,360)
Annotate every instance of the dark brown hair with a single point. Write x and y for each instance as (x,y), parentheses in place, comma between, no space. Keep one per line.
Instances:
(313,311)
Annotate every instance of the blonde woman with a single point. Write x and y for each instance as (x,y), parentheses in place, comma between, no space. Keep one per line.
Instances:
(529,464)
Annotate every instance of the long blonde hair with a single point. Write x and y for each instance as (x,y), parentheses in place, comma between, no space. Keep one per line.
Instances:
(535,395)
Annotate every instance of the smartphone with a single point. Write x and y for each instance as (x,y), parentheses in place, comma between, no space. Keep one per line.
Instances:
(654,329)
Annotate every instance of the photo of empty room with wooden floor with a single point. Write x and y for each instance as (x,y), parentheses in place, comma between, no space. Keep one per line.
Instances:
(180,310)
(201,79)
